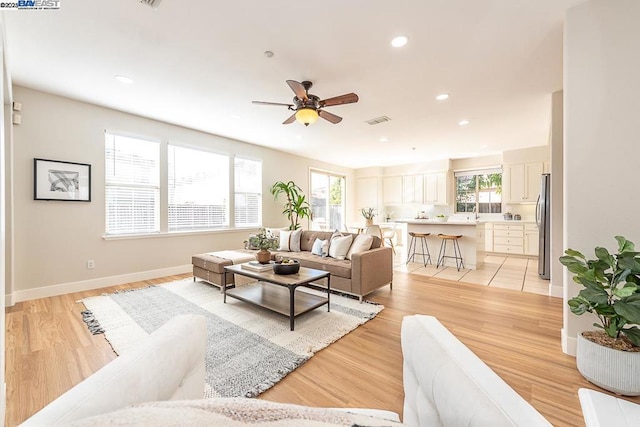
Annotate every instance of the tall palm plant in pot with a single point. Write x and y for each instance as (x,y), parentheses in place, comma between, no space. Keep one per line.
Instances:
(610,356)
(296,206)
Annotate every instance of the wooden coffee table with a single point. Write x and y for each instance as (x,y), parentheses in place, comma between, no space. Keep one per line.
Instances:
(277,292)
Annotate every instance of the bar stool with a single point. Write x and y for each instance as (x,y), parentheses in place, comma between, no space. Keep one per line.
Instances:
(456,250)
(411,255)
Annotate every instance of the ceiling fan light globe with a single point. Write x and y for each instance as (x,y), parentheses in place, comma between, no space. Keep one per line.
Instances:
(307,116)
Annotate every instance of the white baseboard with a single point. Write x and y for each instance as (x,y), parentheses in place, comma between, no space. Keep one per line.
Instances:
(556,291)
(569,344)
(87,285)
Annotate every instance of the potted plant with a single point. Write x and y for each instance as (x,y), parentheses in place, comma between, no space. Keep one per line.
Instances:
(368,215)
(609,357)
(296,207)
(263,242)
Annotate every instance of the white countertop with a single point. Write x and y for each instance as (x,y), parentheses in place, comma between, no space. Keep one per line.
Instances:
(510,221)
(436,222)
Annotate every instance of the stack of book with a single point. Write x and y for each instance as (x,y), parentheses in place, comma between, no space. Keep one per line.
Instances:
(256,266)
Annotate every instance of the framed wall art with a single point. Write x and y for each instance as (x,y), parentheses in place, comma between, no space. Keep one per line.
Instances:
(57,180)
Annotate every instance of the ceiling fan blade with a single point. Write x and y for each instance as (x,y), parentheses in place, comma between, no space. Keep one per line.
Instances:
(347,98)
(298,89)
(329,116)
(271,103)
(290,119)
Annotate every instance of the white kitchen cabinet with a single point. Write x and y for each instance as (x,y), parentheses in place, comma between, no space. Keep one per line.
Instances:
(484,235)
(531,239)
(435,188)
(367,193)
(522,182)
(412,189)
(392,190)
(508,238)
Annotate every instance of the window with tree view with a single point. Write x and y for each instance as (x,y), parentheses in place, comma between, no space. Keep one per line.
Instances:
(479,191)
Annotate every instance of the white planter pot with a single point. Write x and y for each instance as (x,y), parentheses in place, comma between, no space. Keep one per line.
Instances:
(613,370)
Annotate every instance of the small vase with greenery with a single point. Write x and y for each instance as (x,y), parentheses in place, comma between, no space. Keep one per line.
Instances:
(368,214)
(263,242)
(611,291)
(296,207)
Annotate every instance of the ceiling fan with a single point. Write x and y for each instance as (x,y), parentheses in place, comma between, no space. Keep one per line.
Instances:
(308,107)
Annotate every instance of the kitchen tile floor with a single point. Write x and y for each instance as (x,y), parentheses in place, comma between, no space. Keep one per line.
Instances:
(520,274)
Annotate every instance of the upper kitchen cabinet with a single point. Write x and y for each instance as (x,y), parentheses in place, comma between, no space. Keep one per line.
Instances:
(522,182)
(412,189)
(435,188)
(392,190)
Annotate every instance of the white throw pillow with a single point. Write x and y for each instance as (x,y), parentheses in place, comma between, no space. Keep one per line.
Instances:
(361,243)
(340,246)
(290,240)
(320,247)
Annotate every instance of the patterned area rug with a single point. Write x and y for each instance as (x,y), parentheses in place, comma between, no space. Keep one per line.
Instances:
(249,348)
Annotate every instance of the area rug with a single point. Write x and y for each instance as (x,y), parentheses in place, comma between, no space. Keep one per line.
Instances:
(249,349)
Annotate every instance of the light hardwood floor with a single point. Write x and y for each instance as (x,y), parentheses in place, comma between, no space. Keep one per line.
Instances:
(48,349)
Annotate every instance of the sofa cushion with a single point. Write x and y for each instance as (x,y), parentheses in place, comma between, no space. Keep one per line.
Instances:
(361,243)
(290,240)
(339,246)
(340,268)
(310,236)
(320,247)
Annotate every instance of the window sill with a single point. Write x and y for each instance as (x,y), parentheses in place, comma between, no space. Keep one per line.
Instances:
(176,233)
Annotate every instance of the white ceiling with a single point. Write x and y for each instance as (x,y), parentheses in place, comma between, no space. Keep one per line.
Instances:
(200,63)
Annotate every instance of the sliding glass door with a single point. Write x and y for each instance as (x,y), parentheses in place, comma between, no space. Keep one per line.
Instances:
(327,200)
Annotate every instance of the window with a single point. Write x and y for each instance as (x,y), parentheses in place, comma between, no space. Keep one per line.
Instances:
(327,201)
(198,184)
(479,191)
(248,192)
(132,189)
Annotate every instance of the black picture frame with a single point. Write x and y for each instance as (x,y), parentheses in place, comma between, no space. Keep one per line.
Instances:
(60,180)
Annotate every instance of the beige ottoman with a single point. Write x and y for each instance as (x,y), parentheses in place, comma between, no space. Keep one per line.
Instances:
(210,268)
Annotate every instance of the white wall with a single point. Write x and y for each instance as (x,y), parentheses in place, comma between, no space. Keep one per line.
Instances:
(53,239)
(602,136)
(557,190)
(5,100)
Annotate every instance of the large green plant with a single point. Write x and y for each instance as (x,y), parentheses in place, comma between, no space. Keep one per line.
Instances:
(296,207)
(611,288)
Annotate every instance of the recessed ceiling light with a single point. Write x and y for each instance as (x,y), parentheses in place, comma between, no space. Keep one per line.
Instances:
(124,79)
(442,96)
(484,146)
(399,41)
(464,122)
(383,139)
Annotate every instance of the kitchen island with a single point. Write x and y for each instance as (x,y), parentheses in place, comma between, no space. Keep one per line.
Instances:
(466,229)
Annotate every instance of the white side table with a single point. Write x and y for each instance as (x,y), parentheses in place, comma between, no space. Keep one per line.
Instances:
(603,410)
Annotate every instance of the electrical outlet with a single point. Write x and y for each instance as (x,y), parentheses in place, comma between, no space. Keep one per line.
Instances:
(90,264)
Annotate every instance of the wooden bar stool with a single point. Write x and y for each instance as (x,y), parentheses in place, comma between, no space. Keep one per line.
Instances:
(457,254)
(411,251)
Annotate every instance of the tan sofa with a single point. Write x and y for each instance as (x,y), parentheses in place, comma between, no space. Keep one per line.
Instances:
(363,274)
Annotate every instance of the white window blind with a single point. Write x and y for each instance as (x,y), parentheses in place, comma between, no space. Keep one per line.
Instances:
(198,189)
(248,192)
(132,191)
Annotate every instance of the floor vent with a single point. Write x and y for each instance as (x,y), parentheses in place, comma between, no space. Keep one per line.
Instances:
(377,120)
(153,3)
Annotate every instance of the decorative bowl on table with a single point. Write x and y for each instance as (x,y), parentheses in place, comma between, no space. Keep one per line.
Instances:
(441,218)
(291,266)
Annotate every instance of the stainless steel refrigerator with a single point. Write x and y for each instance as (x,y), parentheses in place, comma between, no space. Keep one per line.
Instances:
(543,219)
